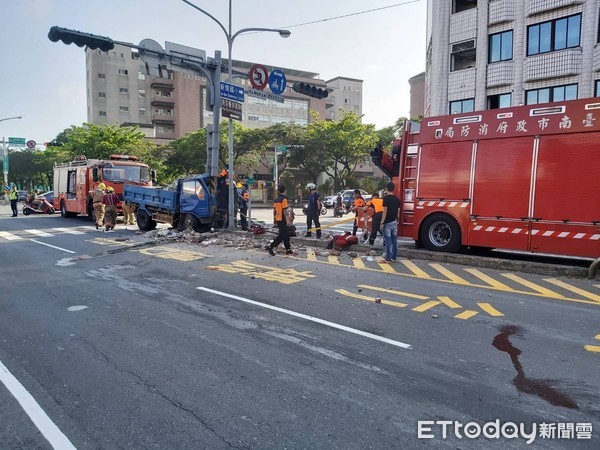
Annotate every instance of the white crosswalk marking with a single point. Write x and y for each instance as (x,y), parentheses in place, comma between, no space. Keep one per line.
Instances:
(38,233)
(9,236)
(68,230)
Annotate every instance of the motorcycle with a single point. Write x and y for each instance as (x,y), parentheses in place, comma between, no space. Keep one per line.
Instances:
(341,210)
(37,206)
(305,209)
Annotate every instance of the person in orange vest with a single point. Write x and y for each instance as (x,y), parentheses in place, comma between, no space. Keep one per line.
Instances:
(376,204)
(281,217)
(359,203)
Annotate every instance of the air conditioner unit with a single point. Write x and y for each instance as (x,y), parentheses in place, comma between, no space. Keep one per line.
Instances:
(463,46)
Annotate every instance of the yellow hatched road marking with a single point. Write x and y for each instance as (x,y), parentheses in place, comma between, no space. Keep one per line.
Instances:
(449,302)
(426,306)
(414,268)
(447,273)
(310,255)
(489,280)
(592,348)
(533,286)
(333,259)
(466,314)
(490,310)
(392,291)
(369,299)
(574,289)
(386,267)
(358,263)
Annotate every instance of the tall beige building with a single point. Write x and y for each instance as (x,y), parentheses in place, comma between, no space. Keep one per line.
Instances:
(171,104)
(492,54)
(345,95)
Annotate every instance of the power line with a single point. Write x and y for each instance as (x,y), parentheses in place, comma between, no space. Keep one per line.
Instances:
(352,14)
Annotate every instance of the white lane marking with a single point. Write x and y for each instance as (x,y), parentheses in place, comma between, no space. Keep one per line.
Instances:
(40,419)
(9,236)
(68,230)
(306,317)
(76,308)
(52,246)
(39,233)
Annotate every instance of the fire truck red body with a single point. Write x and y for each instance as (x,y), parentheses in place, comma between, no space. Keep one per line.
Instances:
(524,178)
(75,181)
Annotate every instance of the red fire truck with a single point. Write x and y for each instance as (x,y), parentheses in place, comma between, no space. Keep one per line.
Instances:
(75,181)
(524,178)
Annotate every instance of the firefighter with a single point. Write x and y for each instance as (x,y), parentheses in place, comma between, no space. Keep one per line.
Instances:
(376,204)
(14,197)
(97,204)
(313,210)
(128,216)
(281,217)
(359,203)
(243,203)
(110,200)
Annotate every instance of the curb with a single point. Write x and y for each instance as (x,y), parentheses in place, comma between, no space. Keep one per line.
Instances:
(537,268)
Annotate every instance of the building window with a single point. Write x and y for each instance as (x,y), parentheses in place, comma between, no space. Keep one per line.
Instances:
(463,5)
(551,94)
(123,72)
(499,101)
(102,94)
(300,105)
(554,35)
(463,55)
(462,106)
(597,88)
(101,113)
(279,119)
(123,90)
(142,111)
(141,75)
(142,93)
(257,118)
(301,122)
(101,75)
(501,47)
(123,108)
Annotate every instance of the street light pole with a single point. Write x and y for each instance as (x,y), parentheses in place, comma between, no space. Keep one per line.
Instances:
(230,39)
(5,154)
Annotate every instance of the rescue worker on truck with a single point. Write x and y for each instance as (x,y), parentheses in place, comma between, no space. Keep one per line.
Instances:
(359,203)
(376,205)
(313,210)
(97,204)
(281,218)
(243,203)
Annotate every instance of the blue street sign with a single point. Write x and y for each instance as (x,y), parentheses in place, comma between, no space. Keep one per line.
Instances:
(277,81)
(232,92)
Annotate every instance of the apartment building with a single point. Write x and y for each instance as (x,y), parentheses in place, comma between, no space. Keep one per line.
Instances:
(498,53)
(345,95)
(171,104)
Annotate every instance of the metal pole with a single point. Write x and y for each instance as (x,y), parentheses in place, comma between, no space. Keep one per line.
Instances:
(4,168)
(216,114)
(275,174)
(249,205)
(230,153)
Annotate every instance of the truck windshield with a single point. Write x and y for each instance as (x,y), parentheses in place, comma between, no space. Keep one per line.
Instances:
(139,174)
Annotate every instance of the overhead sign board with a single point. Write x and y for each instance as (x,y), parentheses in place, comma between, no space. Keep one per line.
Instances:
(277,82)
(259,76)
(265,95)
(16,141)
(231,109)
(232,92)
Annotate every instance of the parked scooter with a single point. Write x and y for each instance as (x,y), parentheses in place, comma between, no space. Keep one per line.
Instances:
(37,206)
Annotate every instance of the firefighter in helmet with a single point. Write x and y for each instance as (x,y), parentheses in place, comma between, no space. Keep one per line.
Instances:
(97,204)
(110,200)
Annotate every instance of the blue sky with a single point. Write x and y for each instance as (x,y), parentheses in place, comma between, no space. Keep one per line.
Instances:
(45,82)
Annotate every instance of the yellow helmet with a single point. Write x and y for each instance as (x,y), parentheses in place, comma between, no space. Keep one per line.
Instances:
(110,189)
(102,186)
(239,185)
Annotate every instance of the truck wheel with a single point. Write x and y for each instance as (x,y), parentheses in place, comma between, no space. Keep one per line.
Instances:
(145,223)
(190,222)
(440,233)
(63,211)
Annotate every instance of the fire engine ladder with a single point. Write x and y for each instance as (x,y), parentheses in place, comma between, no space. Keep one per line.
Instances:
(408,188)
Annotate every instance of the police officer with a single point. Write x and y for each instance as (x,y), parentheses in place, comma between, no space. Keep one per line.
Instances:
(359,203)
(244,197)
(14,197)
(313,210)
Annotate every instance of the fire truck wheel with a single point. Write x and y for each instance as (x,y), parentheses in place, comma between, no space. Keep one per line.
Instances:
(441,233)
(63,211)
(145,223)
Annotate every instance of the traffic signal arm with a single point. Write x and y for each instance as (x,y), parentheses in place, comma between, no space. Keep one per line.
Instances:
(80,38)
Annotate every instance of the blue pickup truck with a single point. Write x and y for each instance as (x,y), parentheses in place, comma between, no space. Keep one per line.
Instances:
(187,203)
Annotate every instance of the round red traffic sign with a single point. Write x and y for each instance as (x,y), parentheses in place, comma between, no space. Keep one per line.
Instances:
(30,144)
(259,76)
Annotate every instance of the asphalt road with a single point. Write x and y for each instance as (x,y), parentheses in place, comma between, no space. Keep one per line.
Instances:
(175,345)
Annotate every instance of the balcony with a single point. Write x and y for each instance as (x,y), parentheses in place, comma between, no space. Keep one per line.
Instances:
(596,59)
(159,100)
(501,11)
(165,135)
(538,6)
(463,25)
(553,65)
(162,118)
(461,84)
(500,74)
(162,83)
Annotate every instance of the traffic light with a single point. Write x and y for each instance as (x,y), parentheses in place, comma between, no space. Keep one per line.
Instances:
(80,39)
(310,90)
